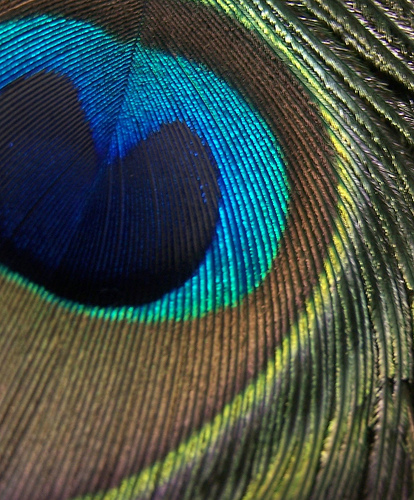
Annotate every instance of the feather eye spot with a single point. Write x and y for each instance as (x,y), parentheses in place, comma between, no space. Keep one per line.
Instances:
(182,186)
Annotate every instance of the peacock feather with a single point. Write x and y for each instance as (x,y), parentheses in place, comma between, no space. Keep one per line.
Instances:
(206,249)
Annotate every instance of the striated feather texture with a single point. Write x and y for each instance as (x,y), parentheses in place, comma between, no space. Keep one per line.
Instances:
(206,249)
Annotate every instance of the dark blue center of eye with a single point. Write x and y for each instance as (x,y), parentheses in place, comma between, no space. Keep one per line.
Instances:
(122,232)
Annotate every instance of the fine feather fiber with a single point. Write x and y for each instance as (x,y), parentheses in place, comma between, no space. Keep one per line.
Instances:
(206,249)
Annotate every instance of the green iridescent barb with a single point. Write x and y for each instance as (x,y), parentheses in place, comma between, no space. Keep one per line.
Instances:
(206,249)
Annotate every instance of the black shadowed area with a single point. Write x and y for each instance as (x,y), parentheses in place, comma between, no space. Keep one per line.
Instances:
(109,234)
